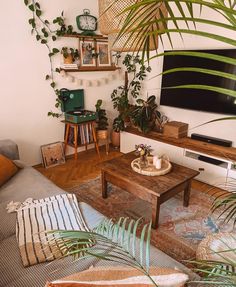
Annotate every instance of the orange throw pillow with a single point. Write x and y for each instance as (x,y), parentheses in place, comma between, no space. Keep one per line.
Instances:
(122,277)
(7,169)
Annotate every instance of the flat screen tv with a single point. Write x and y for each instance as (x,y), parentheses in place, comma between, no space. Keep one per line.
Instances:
(199,99)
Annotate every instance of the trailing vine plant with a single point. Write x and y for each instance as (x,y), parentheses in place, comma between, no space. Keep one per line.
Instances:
(45,34)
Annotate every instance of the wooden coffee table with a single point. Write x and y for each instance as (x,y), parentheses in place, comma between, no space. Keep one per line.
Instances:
(154,189)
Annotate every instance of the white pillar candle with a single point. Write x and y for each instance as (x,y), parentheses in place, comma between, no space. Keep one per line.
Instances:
(158,163)
(155,160)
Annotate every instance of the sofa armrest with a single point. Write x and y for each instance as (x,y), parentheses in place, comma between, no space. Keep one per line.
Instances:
(9,149)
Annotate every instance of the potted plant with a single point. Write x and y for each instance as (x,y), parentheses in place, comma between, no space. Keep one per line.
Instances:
(102,121)
(118,125)
(70,55)
(145,114)
(137,71)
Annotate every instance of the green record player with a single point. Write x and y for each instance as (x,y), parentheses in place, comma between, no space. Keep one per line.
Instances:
(72,104)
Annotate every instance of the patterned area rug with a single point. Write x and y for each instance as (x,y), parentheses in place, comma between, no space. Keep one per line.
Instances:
(180,228)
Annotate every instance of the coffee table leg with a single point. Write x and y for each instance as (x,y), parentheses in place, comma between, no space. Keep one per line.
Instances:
(104,185)
(187,193)
(155,211)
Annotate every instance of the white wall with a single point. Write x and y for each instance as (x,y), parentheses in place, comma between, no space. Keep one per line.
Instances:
(25,96)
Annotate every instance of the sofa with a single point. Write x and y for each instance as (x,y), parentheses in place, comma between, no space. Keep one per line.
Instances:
(27,182)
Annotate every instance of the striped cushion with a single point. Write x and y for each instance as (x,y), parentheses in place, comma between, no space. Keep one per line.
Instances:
(122,277)
(52,213)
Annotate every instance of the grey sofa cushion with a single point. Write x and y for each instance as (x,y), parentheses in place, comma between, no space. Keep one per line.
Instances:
(9,149)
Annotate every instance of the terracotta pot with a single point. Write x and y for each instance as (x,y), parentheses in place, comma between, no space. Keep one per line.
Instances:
(115,139)
(68,59)
(102,134)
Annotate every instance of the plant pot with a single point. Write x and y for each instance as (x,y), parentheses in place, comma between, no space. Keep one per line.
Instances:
(115,139)
(102,134)
(68,59)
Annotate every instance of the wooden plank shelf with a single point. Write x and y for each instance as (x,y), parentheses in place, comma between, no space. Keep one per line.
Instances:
(228,153)
(80,36)
(92,69)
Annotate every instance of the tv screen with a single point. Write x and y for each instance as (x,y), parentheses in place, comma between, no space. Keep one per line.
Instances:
(199,99)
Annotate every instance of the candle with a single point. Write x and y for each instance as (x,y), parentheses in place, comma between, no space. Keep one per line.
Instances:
(158,163)
(155,157)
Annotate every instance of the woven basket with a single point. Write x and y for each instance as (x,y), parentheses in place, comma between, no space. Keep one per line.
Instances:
(110,23)
(150,170)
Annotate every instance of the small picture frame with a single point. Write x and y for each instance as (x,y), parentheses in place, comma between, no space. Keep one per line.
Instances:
(103,54)
(87,53)
(53,154)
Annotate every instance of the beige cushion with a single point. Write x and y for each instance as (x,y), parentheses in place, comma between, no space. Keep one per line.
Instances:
(7,169)
(210,247)
(122,277)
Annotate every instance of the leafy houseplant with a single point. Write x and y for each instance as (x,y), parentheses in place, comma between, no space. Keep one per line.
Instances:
(117,126)
(137,71)
(70,55)
(144,116)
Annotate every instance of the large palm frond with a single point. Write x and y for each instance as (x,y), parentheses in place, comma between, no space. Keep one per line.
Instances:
(110,241)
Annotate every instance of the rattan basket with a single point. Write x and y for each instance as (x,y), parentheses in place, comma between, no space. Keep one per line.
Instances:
(111,20)
(151,170)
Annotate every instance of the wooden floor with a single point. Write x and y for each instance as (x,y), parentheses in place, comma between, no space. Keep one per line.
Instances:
(86,167)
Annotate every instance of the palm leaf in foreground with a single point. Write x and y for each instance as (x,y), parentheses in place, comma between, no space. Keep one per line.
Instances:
(109,241)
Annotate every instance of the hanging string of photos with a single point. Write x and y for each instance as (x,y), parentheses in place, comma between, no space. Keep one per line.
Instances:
(115,75)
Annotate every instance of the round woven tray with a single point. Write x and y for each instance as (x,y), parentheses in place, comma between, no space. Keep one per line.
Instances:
(151,170)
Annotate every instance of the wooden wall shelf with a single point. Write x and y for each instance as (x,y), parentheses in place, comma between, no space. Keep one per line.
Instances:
(228,153)
(92,69)
(99,37)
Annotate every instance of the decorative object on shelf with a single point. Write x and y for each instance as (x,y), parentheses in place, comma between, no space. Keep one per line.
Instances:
(102,124)
(111,21)
(87,23)
(70,55)
(117,126)
(52,154)
(87,53)
(150,169)
(143,151)
(103,54)
(175,129)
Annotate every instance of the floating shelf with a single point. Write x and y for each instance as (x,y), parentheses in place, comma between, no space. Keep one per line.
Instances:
(91,69)
(100,37)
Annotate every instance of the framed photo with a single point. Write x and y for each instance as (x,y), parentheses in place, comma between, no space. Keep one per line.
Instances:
(87,52)
(104,55)
(53,154)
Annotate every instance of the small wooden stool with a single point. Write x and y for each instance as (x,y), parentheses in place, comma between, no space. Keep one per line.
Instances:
(85,132)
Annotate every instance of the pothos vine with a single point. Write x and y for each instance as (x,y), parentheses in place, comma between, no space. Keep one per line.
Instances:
(42,29)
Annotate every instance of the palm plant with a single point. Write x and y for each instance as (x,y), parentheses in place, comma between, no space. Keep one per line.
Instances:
(110,241)
(183,18)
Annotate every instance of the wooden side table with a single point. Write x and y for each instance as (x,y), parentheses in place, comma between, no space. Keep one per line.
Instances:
(84,134)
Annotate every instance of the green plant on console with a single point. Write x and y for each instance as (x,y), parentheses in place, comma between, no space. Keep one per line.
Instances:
(144,115)
(102,120)
(121,96)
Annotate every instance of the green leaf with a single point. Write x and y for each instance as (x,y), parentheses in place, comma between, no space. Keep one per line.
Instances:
(46,22)
(38,37)
(37,5)
(43,41)
(38,13)
(54,38)
(53,85)
(47,77)
(26,2)
(31,7)
(58,70)
(55,50)
(50,54)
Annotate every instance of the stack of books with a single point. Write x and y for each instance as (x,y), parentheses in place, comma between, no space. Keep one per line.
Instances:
(69,66)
